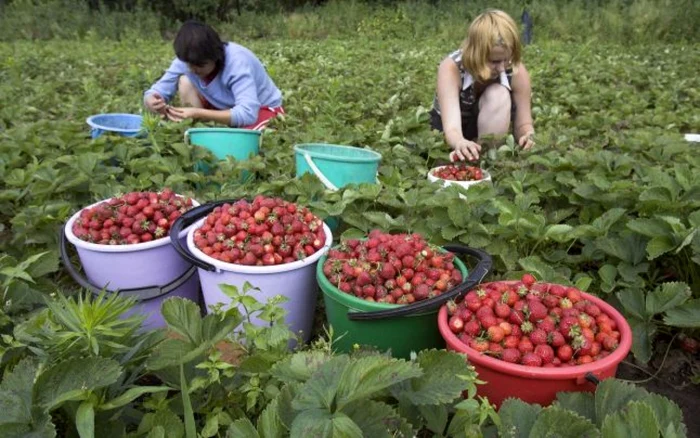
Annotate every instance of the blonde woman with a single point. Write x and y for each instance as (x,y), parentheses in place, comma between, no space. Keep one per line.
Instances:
(483,88)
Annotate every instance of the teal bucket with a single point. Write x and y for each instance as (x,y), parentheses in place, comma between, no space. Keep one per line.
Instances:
(337,166)
(241,144)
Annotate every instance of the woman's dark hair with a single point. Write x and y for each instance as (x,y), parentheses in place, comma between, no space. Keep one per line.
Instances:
(197,43)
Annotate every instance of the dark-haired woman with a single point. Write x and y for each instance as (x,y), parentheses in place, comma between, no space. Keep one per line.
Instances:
(216,81)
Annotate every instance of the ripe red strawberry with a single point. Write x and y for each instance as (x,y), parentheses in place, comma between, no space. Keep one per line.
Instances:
(456,324)
(511,355)
(472,327)
(502,310)
(531,360)
(495,334)
(479,344)
(537,310)
(528,280)
(688,344)
(551,301)
(547,324)
(511,341)
(538,337)
(592,310)
(545,352)
(556,339)
(525,345)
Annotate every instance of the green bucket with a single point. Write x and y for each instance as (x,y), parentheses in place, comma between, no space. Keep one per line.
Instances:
(337,166)
(402,334)
(241,144)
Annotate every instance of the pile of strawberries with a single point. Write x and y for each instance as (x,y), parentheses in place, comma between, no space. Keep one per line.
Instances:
(459,172)
(264,232)
(391,268)
(132,218)
(533,324)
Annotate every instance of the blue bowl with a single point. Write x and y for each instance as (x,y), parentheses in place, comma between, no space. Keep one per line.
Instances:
(126,125)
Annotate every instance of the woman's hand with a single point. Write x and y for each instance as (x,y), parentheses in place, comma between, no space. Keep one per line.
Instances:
(527,140)
(156,103)
(180,114)
(465,150)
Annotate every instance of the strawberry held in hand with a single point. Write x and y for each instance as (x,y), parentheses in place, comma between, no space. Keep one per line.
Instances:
(133,218)
(533,324)
(391,268)
(459,172)
(267,231)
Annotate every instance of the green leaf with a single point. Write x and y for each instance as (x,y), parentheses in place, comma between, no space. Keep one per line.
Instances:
(440,382)
(85,420)
(540,269)
(667,296)
(560,233)
(633,302)
(660,245)
(381,219)
(319,423)
(582,403)
(643,334)
(608,219)
(269,422)
(650,227)
(435,417)
(300,366)
(46,264)
(559,423)
(637,420)
(608,273)
(173,352)
(667,413)
(16,393)
(365,376)
(188,414)
(165,420)
(183,317)
(378,419)
(130,395)
(612,395)
(242,428)
(73,378)
(685,315)
(517,418)
(320,390)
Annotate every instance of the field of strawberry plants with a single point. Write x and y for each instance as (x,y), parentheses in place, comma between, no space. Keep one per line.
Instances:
(608,203)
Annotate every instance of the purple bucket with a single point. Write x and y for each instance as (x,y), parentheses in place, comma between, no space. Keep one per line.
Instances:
(296,281)
(148,271)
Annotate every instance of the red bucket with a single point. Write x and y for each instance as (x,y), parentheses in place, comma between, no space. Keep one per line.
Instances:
(539,385)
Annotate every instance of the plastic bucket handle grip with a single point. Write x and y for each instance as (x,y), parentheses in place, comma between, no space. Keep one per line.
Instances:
(326,182)
(141,294)
(185,220)
(475,277)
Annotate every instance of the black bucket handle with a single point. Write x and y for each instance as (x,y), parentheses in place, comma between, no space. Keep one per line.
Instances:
(475,277)
(185,220)
(141,294)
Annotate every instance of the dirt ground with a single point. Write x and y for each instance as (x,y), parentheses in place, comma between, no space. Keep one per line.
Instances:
(672,379)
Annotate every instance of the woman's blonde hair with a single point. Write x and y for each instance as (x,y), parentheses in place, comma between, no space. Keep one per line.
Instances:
(490,29)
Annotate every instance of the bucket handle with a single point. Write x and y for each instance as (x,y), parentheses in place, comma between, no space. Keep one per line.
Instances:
(185,220)
(475,277)
(326,182)
(145,293)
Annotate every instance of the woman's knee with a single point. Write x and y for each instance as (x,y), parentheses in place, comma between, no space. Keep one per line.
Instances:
(495,96)
(188,93)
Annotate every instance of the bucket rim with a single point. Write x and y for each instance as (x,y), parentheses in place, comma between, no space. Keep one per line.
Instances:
(376,156)
(191,131)
(539,373)
(81,244)
(354,303)
(223,267)
(90,121)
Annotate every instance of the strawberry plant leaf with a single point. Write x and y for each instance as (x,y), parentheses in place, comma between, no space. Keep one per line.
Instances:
(130,395)
(649,227)
(613,395)
(541,269)
(667,296)
(659,246)
(85,420)
(605,221)
(667,413)
(440,382)
(300,366)
(685,315)
(184,318)
(166,420)
(378,419)
(517,418)
(269,423)
(583,403)
(559,233)
(435,417)
(637,420)
(554,421)
(366,376)
(242,428)
(16,393)
(607,274)
(643,334)
(323,424)
(629,247)
(319,392)
(73,378)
